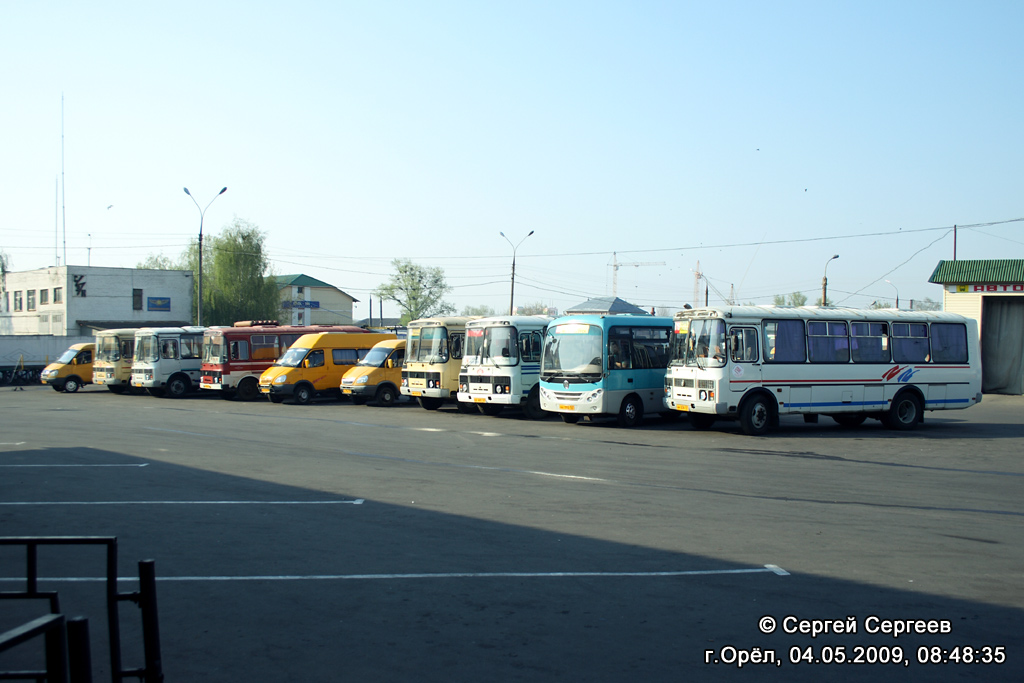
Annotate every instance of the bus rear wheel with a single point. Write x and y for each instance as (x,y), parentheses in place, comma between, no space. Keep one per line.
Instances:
(904,413)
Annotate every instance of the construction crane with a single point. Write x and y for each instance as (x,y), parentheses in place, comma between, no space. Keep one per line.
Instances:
(615,270)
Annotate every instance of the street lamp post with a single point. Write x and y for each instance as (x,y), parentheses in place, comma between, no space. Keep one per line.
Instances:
(512,295)
(202,212)
(824,282)
(897,294)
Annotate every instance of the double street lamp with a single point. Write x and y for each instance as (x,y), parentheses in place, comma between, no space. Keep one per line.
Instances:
(824,282)
(512,296)
(202,212)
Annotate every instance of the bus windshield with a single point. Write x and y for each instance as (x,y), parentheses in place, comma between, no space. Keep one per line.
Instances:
(292,358)
(375,357)
(573,350)
(214,350)
(430,347)
(147,349)
(67,356)
(108,349)
(700,343)
(496,345)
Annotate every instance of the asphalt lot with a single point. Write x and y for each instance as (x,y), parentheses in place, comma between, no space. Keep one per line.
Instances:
(337,542)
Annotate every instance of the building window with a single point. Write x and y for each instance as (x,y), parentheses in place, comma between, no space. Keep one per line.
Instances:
(17,301)
(136,299)
(57,322)
(58,295)
(44,324)
(30,300)
(44,297)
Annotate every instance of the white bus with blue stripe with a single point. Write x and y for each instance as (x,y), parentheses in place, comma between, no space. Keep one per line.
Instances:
(755,363)
(501,364)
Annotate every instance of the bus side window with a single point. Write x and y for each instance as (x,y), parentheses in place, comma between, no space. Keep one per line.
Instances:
(84,356)
(949,343)
(456,345)
(788,341)
(239,350)
(743,344)
(315,359)
(344,356)
(169,349)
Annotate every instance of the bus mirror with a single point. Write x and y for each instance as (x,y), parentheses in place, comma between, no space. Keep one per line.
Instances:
(74,361)
(305,363)
(390,363)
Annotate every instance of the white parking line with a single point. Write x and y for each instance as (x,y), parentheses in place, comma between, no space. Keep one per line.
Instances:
(70,465)
(357,501)
(766,569)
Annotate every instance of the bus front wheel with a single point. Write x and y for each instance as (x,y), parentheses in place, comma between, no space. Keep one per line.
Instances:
(72,384)
(756,415)
(701,421)
(429,402)
(303,395)
(631,413)
(570,419)
(177,386)
(248,390)
(532,408)
(386,395)
(491,409)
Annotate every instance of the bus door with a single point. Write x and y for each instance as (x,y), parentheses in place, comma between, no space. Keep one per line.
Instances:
(620,377)
(745,362)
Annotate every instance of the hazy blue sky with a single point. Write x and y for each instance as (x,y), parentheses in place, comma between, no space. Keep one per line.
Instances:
(758,138)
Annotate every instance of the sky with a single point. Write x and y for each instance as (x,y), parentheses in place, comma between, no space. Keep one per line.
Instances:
(755,139)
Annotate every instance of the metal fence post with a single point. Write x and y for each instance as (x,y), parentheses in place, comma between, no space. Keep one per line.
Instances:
(150,621)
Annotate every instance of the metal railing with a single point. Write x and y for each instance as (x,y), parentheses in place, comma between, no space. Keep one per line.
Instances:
(145,598)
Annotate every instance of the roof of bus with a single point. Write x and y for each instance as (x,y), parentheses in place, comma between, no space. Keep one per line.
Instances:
(117,332)
(191,329)
(813,312)
(611,320)
(444,320)
(391,344)
(312,340)
(516,320)
(283,329)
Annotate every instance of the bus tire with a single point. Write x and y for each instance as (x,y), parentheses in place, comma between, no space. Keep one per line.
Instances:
(177,386)
(386,395)
(429,402)
(72,384)
(905,412)
(275,399)
(757,414)
(532,408)
(701,421)
(569,418)
(491,409)
(56,388)
(248,390)
(466,408)
(303,395)
(849,420)
(631,412)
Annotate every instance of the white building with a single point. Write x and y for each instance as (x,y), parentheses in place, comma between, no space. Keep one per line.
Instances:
(78,300)
(308,301)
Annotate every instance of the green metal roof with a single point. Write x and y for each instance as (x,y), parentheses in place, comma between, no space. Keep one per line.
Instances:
(300,281)
(1004,271)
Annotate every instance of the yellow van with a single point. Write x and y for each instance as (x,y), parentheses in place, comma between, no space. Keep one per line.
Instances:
(315,364)
(377,376)
(72,370)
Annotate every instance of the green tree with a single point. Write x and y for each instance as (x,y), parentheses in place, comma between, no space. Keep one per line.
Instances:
(158,262)
(538,308)
(793,299)
(237,279)
(418,290)
(927,304)
(485,311)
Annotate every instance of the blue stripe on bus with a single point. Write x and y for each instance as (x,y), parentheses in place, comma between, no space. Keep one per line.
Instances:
(870,403)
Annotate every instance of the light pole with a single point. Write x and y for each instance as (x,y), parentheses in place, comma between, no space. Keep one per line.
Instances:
(824,282)
(512,296)
(897,294)
(202,212)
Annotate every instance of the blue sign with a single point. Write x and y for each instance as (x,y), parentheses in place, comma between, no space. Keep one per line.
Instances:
(158,303)
(300,304)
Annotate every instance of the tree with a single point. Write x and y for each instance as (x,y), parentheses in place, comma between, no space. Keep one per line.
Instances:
(157,262)
(927,305)
(875,305)
(418,290)
(793,299)
(538,308)
(485,311)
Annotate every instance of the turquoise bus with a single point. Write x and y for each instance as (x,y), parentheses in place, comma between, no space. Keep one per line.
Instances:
(606,365)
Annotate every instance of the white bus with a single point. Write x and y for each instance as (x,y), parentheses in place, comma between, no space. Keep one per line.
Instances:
(501,364)
(168,360)
(754,363)
(433,359)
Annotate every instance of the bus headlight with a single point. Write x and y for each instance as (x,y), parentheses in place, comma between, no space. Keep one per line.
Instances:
(595,395)
(280,379)
(363,380)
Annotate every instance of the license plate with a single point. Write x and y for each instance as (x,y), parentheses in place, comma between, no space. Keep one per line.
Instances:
(346,391)
(264,390)
(563,407)
(479,400)
(416,393)
(682,407)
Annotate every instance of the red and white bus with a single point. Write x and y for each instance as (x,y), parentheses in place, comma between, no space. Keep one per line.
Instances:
(235,357)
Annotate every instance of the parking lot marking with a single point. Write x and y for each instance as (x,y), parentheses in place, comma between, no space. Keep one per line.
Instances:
(83,465)
(356,501)
(766,569)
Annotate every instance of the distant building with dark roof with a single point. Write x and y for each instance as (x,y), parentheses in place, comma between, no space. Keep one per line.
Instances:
(308,301)
(990,291)
(606,305)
